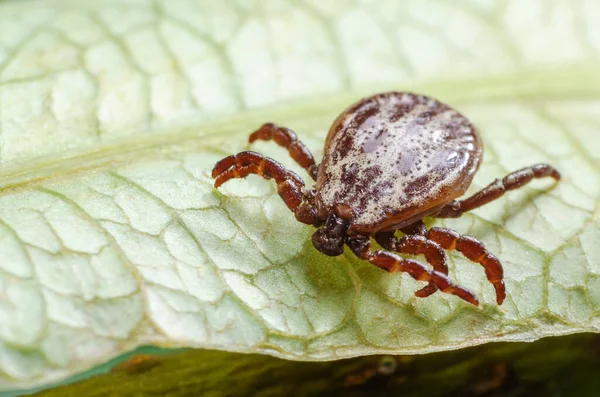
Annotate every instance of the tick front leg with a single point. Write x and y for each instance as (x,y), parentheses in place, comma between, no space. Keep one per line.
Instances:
(361,246)
(475,251)
(288,139)
(289,185)
(497,188)
(417,245)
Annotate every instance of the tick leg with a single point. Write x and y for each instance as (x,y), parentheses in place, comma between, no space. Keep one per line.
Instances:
(288,139)
(418,228)
(417,245)
(497,188)
(471,248)
(475,251)
(392,263)
(289,185)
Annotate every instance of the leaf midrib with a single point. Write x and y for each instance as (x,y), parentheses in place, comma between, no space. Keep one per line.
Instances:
(567,83)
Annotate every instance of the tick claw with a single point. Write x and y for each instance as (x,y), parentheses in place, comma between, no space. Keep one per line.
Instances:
(500,292)
(426,291)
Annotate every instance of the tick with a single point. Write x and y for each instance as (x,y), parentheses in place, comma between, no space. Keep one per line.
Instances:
(389,161)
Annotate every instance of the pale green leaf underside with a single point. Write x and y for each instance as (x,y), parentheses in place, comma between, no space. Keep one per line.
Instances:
(112,236)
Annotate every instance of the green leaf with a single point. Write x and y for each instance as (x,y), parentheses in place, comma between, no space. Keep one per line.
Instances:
(112,115)
(563,366)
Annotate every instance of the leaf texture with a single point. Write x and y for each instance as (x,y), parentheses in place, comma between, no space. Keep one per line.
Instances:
(112,115)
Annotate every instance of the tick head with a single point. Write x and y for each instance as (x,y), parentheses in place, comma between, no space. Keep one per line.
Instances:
(327,244)
(329,239)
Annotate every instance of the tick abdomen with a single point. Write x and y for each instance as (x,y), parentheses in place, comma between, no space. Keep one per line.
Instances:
(396,158)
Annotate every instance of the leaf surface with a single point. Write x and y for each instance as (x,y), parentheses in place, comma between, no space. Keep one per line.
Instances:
(113,114)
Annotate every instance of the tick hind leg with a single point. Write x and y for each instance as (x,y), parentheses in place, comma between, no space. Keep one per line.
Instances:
(288,139)
(475,251)
(471,248)
(392,263)
(415,244)
(290,186)
(497,188)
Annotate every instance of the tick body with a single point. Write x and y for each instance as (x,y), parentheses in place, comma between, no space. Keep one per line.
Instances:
(389,161)
(395,159)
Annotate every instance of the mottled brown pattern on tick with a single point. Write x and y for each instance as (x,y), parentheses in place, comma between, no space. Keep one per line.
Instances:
(419,148)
